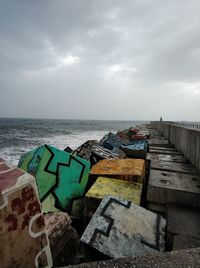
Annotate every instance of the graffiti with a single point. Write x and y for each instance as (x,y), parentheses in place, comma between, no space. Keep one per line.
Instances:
(85,150)
(136,149)
(118,229)
(61,178)
(17,212)
(111,141)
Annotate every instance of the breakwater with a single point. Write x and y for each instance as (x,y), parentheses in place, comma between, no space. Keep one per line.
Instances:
(123,196)
(185,138)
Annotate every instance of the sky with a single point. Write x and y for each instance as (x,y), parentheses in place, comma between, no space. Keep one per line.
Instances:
(100,59)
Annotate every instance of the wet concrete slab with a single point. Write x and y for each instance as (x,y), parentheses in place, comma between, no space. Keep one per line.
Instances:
(125,169)
(120,228)
(160,143)
(157,151)
(166,157)
(171,187)
(184,242)
(183,220)
(189,258)
(185,168)
(162,148)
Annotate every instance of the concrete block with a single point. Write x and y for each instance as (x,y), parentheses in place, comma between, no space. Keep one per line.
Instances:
(23,240)
(160,143)
(157,151)
(100,153)
(162,148)
(63,238)
(166,158)
(111,141)
(171,187)
(185,168)
(183,220)
(185,242)
(120,228)
(106,186)
(136,149)
(125,169)
(61,178)
(85,150)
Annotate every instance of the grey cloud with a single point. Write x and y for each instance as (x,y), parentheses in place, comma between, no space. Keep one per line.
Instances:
(130,54)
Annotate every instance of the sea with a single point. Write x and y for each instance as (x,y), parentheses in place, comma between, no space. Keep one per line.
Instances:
(18,136)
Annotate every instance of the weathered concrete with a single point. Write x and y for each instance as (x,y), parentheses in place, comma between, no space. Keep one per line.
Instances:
(120,228)
(166,157)
(160,143)
(125,169)
(185,168)
(184,242)
(63,238)
(171,187)
(61,178)
(157,151)
(106,186)
(162,148)
(175,259)
(183,220)
(186,140)
(23,239)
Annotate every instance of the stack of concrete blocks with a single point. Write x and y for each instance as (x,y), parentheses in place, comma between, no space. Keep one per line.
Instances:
(172,187)
(121,228)
(171,178)
(23,239)
(106,186)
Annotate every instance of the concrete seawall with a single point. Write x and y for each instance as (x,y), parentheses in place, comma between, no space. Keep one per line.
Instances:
(186,140)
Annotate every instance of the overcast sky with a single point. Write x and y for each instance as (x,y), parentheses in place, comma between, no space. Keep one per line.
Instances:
(100,59)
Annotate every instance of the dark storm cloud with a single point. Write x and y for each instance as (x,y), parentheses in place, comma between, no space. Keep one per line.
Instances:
(100,59)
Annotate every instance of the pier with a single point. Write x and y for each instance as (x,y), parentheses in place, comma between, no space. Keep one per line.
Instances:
(140,199)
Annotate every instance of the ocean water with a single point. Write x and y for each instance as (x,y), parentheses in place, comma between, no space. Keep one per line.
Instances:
(18,136)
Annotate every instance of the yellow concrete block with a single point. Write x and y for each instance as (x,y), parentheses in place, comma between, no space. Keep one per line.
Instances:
(125,169)
(115,187)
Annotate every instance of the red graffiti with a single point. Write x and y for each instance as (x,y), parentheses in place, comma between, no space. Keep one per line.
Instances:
(27,194)
(33,208)
(12,221)
(40,222)
(18,206)
(26,219)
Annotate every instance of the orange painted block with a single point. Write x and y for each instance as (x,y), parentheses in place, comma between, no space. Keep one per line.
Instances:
(124,169)
(23,239)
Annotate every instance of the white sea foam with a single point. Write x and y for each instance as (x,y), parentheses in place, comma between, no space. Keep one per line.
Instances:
(12,154)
